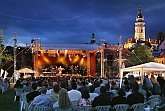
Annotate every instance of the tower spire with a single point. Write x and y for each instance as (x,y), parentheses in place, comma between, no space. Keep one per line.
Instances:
(93,40)
(139,26)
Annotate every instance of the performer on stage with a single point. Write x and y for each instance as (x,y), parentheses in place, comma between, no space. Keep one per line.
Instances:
(60,70)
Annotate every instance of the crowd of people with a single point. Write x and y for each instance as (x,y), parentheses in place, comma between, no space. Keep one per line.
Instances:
(63,92)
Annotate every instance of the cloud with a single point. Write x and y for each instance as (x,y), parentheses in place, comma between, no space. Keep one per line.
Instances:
(73,21)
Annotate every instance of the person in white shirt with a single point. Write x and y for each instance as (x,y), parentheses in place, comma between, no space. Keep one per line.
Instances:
(92,94)
(43,99)
(74,94)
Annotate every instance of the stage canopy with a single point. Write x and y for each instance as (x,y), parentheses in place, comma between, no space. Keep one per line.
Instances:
(71,46)
(151,66)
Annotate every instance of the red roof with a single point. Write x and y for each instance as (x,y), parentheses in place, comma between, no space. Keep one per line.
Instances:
(162,55)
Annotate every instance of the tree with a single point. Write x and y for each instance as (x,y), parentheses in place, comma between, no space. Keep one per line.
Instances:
(160,37)
(141,54)
(5,57)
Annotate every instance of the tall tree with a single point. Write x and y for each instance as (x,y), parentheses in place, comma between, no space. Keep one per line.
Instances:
(5,57)
(160,37)
(141,54)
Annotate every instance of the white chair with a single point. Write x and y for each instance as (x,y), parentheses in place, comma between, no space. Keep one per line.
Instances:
(103,108)
(23,100)
(74,103)
(154,96)
(84,108)
(18,92)
(153,102)
(40,108)
(121,107)
(26,106)
(138,107)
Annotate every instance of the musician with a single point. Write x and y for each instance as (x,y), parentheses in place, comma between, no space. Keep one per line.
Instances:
(60,70)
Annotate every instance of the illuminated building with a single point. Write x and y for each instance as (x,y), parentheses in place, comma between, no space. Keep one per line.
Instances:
(139,34)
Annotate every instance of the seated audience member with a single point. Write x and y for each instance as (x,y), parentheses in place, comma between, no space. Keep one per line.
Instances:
(39,85)
(126,82)
(18,84)
(119,99)
(85,99)
(74,94)
(114,85)
(63,101)
(26,87)
(114,91)
(30,96)
(128,91)
(135,97)
(55,93)
(83,86)
(102,99)
(148,93)
(109,93)
(97,87)
(92,94)
(147,83)
(141,90)
(156,85)
(42,99)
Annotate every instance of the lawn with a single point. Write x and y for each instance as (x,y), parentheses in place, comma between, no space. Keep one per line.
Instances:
(7,101)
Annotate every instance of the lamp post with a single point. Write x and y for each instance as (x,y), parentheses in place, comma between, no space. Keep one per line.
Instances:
(35,48)
(15,61)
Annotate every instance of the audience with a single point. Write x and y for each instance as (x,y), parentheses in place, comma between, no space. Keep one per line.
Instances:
(86,92)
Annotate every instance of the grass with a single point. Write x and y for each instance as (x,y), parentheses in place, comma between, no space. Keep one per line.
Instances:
(7,101)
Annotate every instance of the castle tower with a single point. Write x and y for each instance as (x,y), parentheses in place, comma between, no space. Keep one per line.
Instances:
(93,40)
(139,26)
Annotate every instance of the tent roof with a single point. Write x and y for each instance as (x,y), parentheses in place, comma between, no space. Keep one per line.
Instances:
(26,70)
(151,66)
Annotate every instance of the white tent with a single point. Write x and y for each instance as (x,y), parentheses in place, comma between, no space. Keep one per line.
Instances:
(26,70)
(151,66)
(3,73)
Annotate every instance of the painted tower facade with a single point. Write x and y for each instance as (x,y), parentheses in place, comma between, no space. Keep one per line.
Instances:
(139,26)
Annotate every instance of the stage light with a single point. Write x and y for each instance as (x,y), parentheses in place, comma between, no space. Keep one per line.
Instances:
(70,59)
(66,52)
(82,61)
(76,58)
(46,59)
(39,64)
(58,52)
(42,53)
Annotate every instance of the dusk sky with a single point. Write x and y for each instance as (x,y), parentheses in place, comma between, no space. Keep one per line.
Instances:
(73,21)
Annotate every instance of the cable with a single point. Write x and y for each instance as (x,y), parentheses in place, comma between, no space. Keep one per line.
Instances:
(137,57)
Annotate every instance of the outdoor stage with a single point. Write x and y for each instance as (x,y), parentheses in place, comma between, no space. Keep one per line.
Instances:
(65,59)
